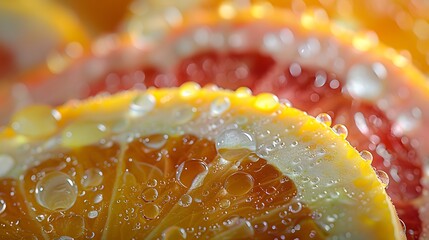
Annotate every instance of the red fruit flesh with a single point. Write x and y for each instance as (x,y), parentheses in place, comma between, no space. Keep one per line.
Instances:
(316,92)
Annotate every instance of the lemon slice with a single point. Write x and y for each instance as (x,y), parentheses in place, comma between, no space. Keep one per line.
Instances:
(188,162)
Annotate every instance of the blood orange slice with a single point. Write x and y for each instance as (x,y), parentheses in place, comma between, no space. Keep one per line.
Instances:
(187,162)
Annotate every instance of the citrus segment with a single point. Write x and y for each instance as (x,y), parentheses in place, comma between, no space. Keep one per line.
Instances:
(257,169)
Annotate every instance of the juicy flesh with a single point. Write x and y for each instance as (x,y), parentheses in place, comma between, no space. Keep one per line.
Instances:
(368,127)
(168,187)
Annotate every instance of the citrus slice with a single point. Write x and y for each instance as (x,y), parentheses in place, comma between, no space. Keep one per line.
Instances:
(187,163)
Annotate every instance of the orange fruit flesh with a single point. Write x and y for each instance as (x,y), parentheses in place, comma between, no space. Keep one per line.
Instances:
(133,183)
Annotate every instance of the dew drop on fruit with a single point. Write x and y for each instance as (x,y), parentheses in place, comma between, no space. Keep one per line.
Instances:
(6,163)
(36,121)
(149,194)
(341,130)
(224,203)
(185,200)
(407,122)
(174,233)
(295,207)
(92,178)
(92,214)
(366,155)
(266,101)
(189,89)
(383,177)
(56,191)
(183,114)
(191,173)
(68,225)
(219,106)
(235,139)
(240,227)
(324,118)
(242,92)
(150,211)
(83,133)
(142,104)
(239,183)
(365,82)
(156,141)
(98,198)
(2,206)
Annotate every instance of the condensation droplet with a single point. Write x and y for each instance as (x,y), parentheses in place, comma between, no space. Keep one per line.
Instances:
(151,211)
(295,207)
(56,191)
(2,206)
(185,200)
(242,92)
(341,130)
(156,141)
(407,122)
(92,178)
(142,104)
(240,225)
(36,121)
(235,139)
(98,198)
(239,183)
(6,163)
(366,155)
(183,114)
(324,118)
(191,173)
(383,177)
(174,233)
(219,106)
(362,82)
(189,89)
(266,101)
(149,194)
(82,133)
(92,214)
(224,203)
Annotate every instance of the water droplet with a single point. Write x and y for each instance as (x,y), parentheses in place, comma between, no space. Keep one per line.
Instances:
(242,92)
(224,203)
(240,226)
(183,114)
(261,227)
(341,130)
(153,182)
(366,155)
(191,173)
(82,133)
(174,233)
(149,194)
(151,211)
(295,207)
(383,177)
(235,139)
(407,122)
(324,118)
(295,69)
(362,82)
(219,106)
(239,183)
(2,206)
(185,200)
(156,141)
(65,238)
(92,178)
(6,163)
(56,191)
(189,89)
(404,227)
(266,101)
(62,224)
(36,121)
(98,198)
(142,104)
(93,214)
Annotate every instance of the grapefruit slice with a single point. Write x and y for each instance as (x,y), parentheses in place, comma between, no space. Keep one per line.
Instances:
(187,163)
(319,59)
